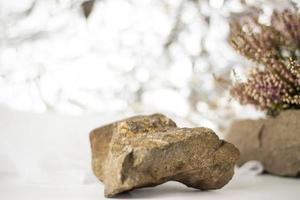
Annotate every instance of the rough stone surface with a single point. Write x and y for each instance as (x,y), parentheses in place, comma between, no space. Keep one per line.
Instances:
(275,142)
(149,150)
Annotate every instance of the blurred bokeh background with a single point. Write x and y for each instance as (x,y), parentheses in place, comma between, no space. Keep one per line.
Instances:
(68,66)
(123,57)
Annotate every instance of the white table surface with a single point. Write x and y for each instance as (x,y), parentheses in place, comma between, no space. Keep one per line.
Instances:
(264,187)
(47,156)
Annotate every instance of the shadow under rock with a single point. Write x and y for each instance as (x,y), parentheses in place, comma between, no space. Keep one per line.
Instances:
(169,189)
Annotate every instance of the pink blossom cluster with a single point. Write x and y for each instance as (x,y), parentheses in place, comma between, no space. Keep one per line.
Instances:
(274,83)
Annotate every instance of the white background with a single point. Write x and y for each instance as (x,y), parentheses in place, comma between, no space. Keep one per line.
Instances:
(62,75)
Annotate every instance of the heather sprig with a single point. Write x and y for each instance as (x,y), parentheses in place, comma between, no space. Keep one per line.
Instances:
(274,83)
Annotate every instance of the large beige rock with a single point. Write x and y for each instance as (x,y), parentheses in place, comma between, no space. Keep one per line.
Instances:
(275,142)
(150,150)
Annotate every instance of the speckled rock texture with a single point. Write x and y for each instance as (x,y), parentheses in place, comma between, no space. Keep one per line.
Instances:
(145,151)
(275,142)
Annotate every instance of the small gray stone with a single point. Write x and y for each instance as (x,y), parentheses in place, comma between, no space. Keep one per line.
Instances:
(145,151)
(274,141)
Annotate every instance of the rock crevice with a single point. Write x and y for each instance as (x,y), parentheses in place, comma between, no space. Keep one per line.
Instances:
(260,136)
